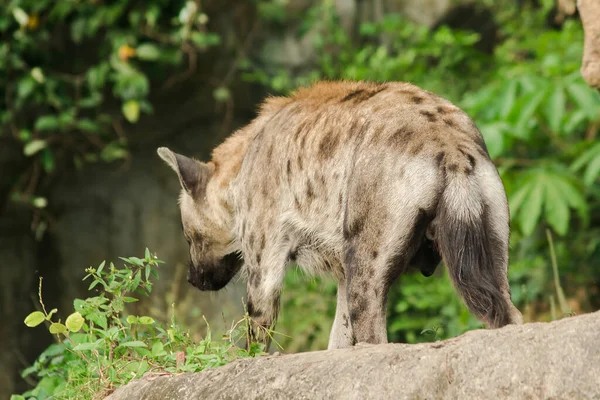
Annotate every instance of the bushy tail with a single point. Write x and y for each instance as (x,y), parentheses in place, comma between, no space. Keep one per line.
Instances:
(474,251)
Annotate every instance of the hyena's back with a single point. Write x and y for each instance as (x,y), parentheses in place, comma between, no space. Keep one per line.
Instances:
(356,177)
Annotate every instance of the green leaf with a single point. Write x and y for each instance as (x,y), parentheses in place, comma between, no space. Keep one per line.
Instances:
(100,267)
(46,123)
(158,349)
(88,346)
(507,99)
(586,98)
(147,51)
(130,299)
(575,198)
(34,146)
(221,94)
(592,171)
(555,109)
(556,208)
(132,319)
(39,202)
(131,110)
(25,87)
(21,16)
(74,322)
(146,320)
(532,207)
(516,200)
(493,135)
(98,318)
(133,343)
(57,328)
(38,75)
(526,112)
(34,319)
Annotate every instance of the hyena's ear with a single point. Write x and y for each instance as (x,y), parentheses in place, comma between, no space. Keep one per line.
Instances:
(193,175)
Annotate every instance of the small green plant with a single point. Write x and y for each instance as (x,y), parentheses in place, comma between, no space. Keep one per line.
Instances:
(432,333)
(101,347)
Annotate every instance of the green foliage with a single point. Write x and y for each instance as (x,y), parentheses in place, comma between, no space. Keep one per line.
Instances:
(63,111)
(100,347)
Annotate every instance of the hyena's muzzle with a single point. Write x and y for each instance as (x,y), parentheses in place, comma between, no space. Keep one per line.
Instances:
(215,275)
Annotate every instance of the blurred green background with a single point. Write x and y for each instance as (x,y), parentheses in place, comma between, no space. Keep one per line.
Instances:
(90,88)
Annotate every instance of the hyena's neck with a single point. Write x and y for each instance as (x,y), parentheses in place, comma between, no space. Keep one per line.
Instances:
(228,157)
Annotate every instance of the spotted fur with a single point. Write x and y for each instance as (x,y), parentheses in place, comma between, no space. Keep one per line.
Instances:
(359,180)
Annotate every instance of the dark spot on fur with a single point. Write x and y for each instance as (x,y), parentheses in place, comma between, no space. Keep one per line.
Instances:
(453,167)
(297,202)
(354,314)
(417,99)
(471,160)
(262,242)
(251,240)
(430,116)
(322,180)
(441,110)
(252,311)
(299,161)
(310,193)
(345,319)
(328,145)
(300,129)
(293,254)
(255,279)
(374,254)
(270,151)
(439,158)
(416,148)
(401,137)
(364,285)
(449,122)
(376,290)
(340,199)
(350,258)
(355,226)
(351,95)
(303,141)
(258,258)
(362,95)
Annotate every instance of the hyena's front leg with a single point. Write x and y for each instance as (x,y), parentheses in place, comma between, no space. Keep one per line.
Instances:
(264,288)
(341,331)
(263,307)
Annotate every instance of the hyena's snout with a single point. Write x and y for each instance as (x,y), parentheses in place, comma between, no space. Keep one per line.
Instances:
(215,275)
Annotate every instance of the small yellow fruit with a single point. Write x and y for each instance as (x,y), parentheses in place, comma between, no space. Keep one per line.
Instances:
(126,52)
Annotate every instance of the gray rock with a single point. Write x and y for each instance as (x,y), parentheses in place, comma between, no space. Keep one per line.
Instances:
(557,360)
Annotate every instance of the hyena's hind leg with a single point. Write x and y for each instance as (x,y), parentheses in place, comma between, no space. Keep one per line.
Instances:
(341,332)
(374,258)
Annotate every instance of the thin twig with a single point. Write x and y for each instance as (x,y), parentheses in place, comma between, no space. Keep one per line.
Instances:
(559,291)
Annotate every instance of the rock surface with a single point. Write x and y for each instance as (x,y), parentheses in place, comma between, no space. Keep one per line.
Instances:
(557,360)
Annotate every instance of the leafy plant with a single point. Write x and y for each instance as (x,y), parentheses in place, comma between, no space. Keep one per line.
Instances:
(100,346)
(62,112)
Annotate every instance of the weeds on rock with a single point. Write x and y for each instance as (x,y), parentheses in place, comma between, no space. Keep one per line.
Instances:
(101,347)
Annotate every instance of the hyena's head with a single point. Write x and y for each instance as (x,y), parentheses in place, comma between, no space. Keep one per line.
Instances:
(213,259)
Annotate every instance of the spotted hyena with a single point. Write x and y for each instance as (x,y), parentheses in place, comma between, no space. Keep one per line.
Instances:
(359,180)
